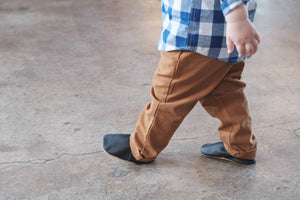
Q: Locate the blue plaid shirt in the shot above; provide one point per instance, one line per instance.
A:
(199, 26)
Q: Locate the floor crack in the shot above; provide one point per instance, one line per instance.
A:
(295, 131)
(276, 125)
(41, 161)
(192, 138)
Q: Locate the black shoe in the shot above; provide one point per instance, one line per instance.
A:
(217, 150)
(118, 145)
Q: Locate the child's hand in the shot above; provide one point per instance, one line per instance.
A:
(241, 33)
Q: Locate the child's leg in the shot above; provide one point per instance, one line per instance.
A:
(228, 103)
(180, 81)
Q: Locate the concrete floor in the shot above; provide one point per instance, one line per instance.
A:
(72, 71)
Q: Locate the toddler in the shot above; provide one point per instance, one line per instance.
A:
(203, 45)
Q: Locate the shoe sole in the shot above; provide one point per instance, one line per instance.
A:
(227, 159)
(128, 161)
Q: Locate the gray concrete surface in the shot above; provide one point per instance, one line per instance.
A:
(72, 71)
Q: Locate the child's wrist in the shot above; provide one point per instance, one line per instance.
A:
(240, 21)
(239, 14)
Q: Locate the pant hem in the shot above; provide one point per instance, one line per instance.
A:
(249, 155)
(136, 153)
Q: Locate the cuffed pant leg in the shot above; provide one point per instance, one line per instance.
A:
(228, 103)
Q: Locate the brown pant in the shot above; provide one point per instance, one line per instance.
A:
(181, 80)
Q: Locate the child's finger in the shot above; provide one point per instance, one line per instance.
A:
(255, 46)
(257, 38)
(249, 49)
(241, 49)
(230, 45)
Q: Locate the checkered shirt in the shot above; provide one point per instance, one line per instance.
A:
(199, 26)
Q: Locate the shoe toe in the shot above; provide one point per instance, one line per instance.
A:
(205, 149)
(117, 144)
(107, 142)
(214, 149)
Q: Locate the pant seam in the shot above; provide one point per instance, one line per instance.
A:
(165, 100)
(150, 127)
(174, 74)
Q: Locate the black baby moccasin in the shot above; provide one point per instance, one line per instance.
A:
(118, 146)
(217, 150)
